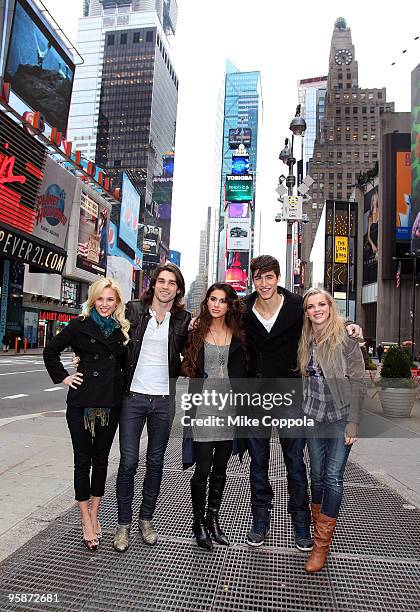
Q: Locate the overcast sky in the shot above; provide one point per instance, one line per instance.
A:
(286, 42)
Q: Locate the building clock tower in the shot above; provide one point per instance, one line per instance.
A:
(347, 141)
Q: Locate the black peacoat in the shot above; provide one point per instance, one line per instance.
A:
(102, 362)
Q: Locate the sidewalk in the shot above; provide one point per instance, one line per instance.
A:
(374, 562)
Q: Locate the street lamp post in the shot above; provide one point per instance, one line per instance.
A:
(297, 127)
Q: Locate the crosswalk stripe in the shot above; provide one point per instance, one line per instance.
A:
(54, 389)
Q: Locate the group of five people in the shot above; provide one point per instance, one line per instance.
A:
(129, 361)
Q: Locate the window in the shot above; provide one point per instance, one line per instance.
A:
(149, 36)
(117, 163)
(110, 40)
(355, 110)
(123, 39)
(136, 37)
(347, 111)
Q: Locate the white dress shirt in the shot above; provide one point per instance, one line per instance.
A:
(151, 375)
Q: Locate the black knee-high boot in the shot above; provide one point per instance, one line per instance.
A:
(216, 488)
(198, 498)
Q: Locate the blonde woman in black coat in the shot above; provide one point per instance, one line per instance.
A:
(98, 337)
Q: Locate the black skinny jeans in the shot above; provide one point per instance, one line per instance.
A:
(210, 455)
(90, 453)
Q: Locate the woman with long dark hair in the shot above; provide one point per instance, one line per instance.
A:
(333, 369)
(214, 358)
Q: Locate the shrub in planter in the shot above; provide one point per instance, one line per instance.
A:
(397, 389)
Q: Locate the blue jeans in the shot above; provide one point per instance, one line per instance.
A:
(137, 409)
(297, 482)
(328, 457)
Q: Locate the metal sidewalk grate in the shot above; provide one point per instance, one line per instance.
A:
(374, 563)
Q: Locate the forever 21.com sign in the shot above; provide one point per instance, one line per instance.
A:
(35, 252)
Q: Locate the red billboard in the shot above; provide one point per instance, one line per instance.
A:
(22, 160)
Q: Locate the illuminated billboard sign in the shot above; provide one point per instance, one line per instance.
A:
(415, 160)
(341, 249)
(238, 210)
(239, 136)
(129, 216)
(151, 241)
(403, 196)
(54, 202)
(239, 188)
(92, 240)
(237, 271)
(240, 164)
(22, 161)
(239, 235)
(38, 68)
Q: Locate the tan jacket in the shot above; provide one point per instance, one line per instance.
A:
(345, 375)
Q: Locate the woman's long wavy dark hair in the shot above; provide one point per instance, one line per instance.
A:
(233, 320)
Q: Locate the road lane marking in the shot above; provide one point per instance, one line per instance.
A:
(15, 396)
(26, 372)
(54, 389)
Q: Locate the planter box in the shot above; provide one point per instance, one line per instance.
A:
(397, 402)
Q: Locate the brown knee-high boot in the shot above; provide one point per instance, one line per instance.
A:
(324, 529)
(315, 510)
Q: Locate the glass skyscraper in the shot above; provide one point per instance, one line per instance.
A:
(243, 110)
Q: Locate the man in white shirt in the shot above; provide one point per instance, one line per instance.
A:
(159, 328)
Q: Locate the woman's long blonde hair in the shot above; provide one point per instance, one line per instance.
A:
(95, 290)
(331, 336)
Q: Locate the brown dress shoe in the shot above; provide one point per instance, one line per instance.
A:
(122, 538)
(324, 529)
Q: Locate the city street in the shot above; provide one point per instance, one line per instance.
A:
(26, 388)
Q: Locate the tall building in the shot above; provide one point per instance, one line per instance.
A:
(199, 285)
(243, 109)
(311, 97)
(348, 140)
(124, 106)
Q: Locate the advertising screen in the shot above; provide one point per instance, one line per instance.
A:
(403, 196)
(21, 171)
(238, 211)
(168, 165)
(240, 164)
(239, 136)
(151, 240)
(239, 188)
(39, 71)
(92, 241)
(239, 235)
(370, 236)
(129, 216)
(237, 271)
(54, 202)
(415, 160)
(175, 257)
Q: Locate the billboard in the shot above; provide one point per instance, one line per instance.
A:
(239, 235)
(151, 241)
(129, 215)
(237, 270)
(341, 249)
(239, 136)
(415, 160)
(240, 164)
(238, 210)
(38, 69)
(92, 237)
(175, 257)
(370, 236)
(54, 202)
(168, 165)
(239, 188)
(403, 196)
(22, 160)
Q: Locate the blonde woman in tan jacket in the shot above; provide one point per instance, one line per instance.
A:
(333, 369)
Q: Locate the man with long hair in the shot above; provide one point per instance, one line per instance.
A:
(159, 329)
(273, 324)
